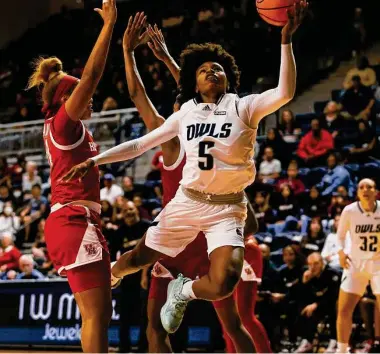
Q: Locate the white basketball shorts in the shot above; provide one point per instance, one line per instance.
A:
(361, 272)
(183, 218)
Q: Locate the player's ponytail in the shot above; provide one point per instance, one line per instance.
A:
(47, 73)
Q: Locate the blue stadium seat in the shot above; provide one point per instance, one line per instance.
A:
(281, 240)
(319, 106)
(304, 120)
(336, 94)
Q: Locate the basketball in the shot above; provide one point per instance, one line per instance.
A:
(274, 11)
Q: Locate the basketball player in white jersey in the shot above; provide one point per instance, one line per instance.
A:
(218, 132)
(361, 222)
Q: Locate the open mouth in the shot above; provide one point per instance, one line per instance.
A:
(212, 78)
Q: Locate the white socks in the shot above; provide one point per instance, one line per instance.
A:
(187, 291)
(342, 348)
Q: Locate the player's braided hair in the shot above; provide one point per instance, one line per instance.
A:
(194, 55)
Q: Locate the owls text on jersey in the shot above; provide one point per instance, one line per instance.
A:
(364, 230)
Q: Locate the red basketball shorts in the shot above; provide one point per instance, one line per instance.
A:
(78, 248)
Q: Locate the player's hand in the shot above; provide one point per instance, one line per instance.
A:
(115, 281)
(108, 12)
(344, 260)
(309, 309)
(79, 171)
(295, 18)
(135, 34)
(157, 43)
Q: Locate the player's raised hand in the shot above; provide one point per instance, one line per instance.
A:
(295, 17)
(344, 260)
(157, 43)
(135, 34)
(108, 12)
(79, 171)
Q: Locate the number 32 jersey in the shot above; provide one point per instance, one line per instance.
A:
(364, 230)
(219, 146)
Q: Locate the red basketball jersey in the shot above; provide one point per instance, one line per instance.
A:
(171, 176)
(68, 143)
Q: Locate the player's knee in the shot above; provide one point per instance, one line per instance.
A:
(234, 327)
(225, 285)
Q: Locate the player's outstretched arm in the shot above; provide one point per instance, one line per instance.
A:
(135, 35)
(343, 228)
(259, 106)
(160, 50)
(129, 149)
(93, 70)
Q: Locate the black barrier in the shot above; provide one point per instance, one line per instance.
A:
(45, 313)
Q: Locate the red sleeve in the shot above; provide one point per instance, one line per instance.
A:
(301, 151)
(65, 130)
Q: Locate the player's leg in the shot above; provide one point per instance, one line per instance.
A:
(246, 301)
(225, 269)
(158, 338)
(91, 287)
(235, 334)
(346, 306)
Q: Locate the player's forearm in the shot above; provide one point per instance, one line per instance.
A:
(94, 67)
(287, 80)
(137, 147)
(138, 93)
(173, 68)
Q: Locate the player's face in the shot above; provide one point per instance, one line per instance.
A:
(210, 76)
(367, 191)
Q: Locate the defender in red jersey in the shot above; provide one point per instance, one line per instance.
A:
(73, 230)
(193, 261)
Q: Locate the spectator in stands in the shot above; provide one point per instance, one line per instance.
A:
(106, 213)
(288, 128)
(39, 250)
(128, 187)
(270, 168)
(287, 210)
(321, 288)
(263, 212)
(289, 291)
(126, 238)
(30, 177)
(358, 100)
(315, 238)
(26, 266)
(9, 221)
(118, 210)
(315, 145)
(314, 205)
(17, 172)
(9, 254)
(22, 114)
(364, 71)
(275, 141)
(143, 212)
(121, 95)
(331, 246)
(109, 104)
(331, 120)
(338, 202)
(5, 173)
(365, 144)
(36, 208)
(292, 180)
(336, 176)
(6, 197)
(111, 190)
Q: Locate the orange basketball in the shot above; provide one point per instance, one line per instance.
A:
(274, 11)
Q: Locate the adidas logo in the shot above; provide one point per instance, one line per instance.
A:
(206, 108)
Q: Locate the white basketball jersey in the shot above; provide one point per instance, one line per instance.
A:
(219, 147)
(364, 231)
